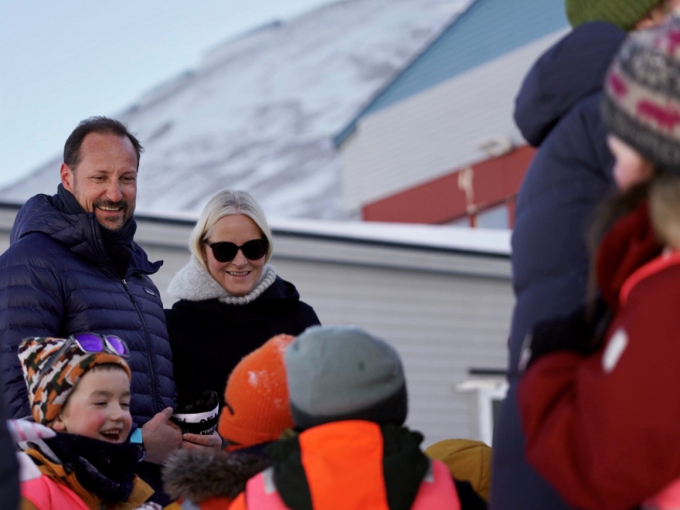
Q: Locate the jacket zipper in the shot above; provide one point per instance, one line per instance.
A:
(102, 253)
(148, 346)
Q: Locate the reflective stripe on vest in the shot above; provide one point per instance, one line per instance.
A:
(44, 492)
(436, 491)
(667, 499)
(261, 492)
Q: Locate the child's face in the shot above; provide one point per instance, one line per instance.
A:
(630, 167)
(98, 407)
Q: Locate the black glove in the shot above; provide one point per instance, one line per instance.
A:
(580, 332)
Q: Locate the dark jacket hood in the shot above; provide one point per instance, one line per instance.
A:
(571, 70)
(79, 233)
(198, 476)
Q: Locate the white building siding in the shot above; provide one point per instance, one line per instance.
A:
(436, 131)
(442, 325)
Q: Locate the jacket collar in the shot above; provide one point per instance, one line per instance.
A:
(194, 283)
(363, 454)
(69, 472)
(79, 233)
(628, 245)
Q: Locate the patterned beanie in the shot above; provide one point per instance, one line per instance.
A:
(49, 389)
(641, 103)
(343, 373)
(622, 13)
(256, 396)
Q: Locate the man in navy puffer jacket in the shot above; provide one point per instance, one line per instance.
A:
(72, 267)
(557, 111)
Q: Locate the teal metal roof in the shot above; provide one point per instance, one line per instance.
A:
(486, 30)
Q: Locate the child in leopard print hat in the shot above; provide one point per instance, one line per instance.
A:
(80, 388)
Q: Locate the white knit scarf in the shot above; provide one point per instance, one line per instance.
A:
(194, 283)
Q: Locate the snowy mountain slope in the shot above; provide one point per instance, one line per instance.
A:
(259, 111)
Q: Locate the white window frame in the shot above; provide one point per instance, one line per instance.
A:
(488, 390)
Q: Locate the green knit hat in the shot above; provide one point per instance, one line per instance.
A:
(622, 13)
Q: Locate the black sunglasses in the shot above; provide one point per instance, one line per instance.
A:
(252, 250)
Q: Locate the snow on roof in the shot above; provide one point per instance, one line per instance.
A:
(496, 242)
(442, 237)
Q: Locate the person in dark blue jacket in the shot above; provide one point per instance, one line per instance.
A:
(557, 110)
(73, 266)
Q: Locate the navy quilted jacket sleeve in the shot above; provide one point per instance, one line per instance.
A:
(31, 304)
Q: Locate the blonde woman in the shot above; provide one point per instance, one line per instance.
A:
(231, 300)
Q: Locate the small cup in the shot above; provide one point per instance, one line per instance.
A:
(197, 412)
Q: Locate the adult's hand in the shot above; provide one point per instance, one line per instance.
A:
(160, 437)
(202, 442)
(582, 332)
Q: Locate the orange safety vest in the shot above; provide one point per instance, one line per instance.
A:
(360, 469)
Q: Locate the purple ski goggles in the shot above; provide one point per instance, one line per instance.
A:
(92, 343)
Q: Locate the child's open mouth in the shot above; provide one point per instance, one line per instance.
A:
(112, 435)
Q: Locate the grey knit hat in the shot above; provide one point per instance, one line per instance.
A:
(622, 13)
(641, 103)
(344, 373)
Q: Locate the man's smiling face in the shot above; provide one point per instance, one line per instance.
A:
(105, 179)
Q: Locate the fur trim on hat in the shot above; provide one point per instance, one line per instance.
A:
(198, 476)
(194, 283)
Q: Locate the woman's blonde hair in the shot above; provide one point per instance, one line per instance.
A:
(227, 203)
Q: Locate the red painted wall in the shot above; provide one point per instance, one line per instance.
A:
(494, 181)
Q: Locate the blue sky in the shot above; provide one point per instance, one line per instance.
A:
(65, 60)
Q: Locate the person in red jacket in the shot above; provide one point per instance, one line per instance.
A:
(599, 399)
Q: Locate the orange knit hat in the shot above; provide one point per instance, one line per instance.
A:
(256, 396)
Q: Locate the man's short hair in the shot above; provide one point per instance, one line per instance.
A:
(101, 125)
